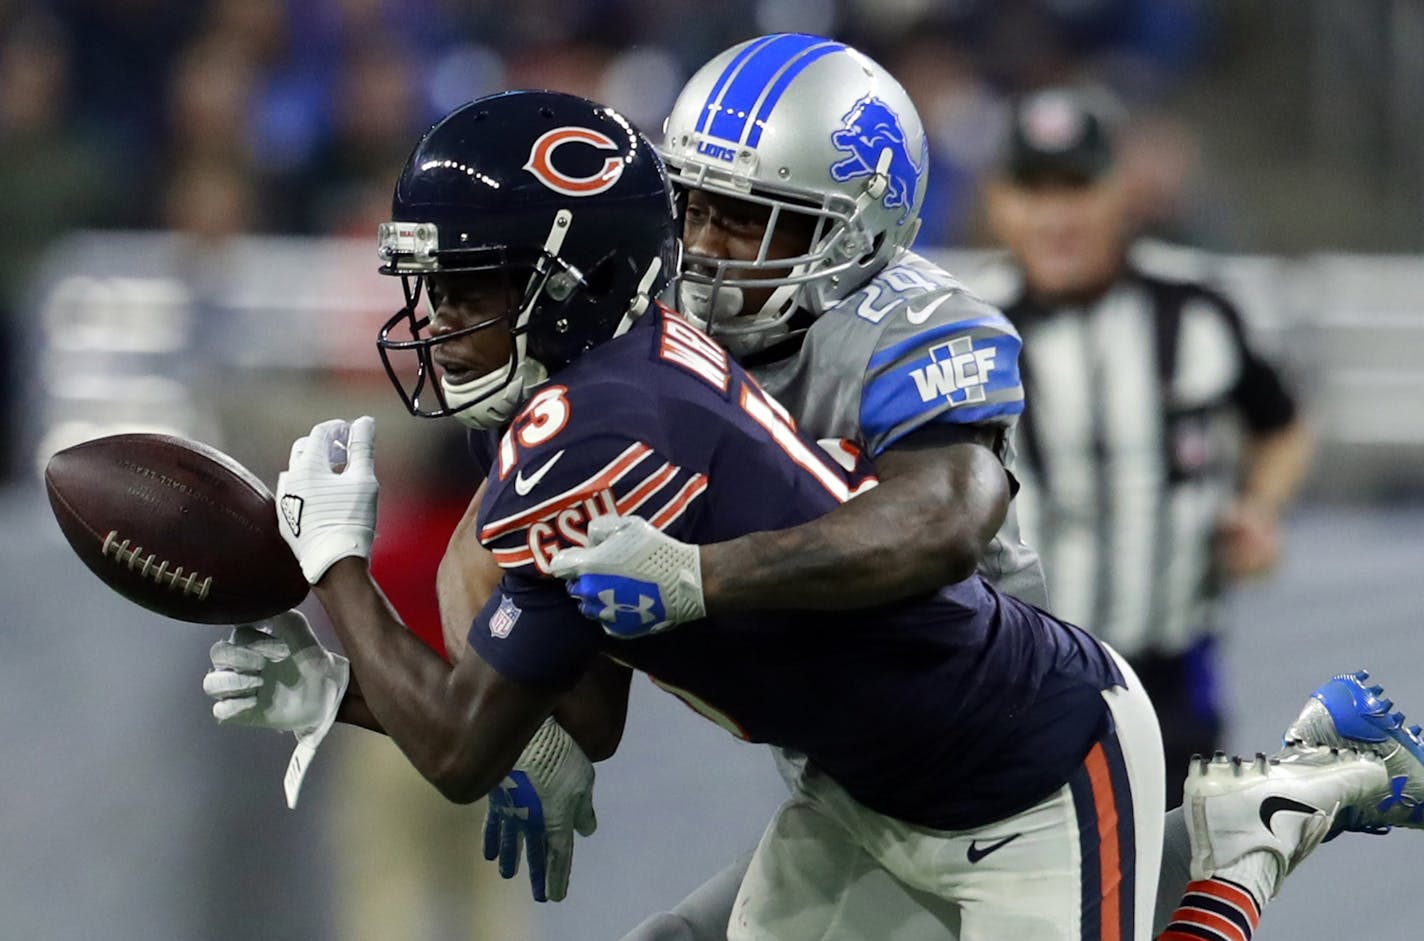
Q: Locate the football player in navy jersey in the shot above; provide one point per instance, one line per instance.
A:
(597, 406)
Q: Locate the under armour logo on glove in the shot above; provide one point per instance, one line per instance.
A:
(626, 606)
(543, 802)
(516, 816)
(632, 578)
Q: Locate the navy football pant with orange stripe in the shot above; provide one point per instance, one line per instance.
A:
(1081, 865)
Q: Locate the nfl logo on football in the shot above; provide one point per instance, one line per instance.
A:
(502, 621)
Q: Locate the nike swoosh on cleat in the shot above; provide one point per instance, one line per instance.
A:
(1274, 805)
(974, 853)
(522, 484)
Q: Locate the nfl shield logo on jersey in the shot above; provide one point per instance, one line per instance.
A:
(502, 621)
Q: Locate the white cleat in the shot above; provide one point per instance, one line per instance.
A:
(1284, 805)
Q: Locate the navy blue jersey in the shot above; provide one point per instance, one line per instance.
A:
(949, 712)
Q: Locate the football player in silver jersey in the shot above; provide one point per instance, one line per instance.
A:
(803, 167)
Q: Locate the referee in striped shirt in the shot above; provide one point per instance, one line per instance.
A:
(1157, 448)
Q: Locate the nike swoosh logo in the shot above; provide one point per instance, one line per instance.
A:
(522, 484)
(917, 317)
(1274, 805)
(974, 853)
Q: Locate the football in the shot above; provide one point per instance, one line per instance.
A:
(175, 526)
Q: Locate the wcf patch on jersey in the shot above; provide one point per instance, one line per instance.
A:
(502, 621)
(958, 371)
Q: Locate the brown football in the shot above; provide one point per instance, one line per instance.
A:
(176, 526)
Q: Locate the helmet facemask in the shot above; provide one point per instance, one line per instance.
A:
(546, 285)
(804, 124)
(566, 203)
(841, 254)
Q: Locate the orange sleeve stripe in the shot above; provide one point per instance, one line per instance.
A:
(513, 558)
(601, 480)
(675, 507)
(1232, 895)
(644, 491)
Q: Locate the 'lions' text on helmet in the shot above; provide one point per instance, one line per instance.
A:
(564, 198)
(805, 125)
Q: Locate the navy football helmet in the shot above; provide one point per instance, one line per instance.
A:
(562, 196)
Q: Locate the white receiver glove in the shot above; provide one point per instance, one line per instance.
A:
(275, 674)
(326, 498)
(632, 577)
(540, 804)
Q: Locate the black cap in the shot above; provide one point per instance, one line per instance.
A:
(1059, 134)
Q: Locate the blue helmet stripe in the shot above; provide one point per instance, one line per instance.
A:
(773, 94)
(714, 98)
(738, 101)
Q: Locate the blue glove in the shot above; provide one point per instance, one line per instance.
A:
(539, 806)
(515, 817)
(633, 578)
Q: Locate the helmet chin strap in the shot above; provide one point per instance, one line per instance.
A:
(766, 326)
(720, 314)
(702, 305)
(641, 300)
(496, 395)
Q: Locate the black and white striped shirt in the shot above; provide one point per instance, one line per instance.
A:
(1130, 446)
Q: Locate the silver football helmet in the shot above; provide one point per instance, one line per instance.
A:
(805, 125)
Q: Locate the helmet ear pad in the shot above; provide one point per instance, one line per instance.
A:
(603, 278)
(550, 339)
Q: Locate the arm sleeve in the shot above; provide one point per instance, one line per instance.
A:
(531, 630)
(1260, 393)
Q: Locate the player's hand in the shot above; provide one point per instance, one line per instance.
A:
(1247, 540)
(633, 578)
(275, 674)
(540, 804)
(326, 498)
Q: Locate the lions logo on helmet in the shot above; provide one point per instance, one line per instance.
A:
(867, 131)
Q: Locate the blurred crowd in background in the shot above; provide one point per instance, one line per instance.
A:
(225, 116)
(1260, 126)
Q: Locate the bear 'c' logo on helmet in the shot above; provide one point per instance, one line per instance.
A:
(866, 130)
(540, 162)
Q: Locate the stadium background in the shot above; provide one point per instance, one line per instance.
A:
(188, 190)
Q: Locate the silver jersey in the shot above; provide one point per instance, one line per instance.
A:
(911, 348)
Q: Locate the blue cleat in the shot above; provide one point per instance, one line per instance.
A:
(1347, 712)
